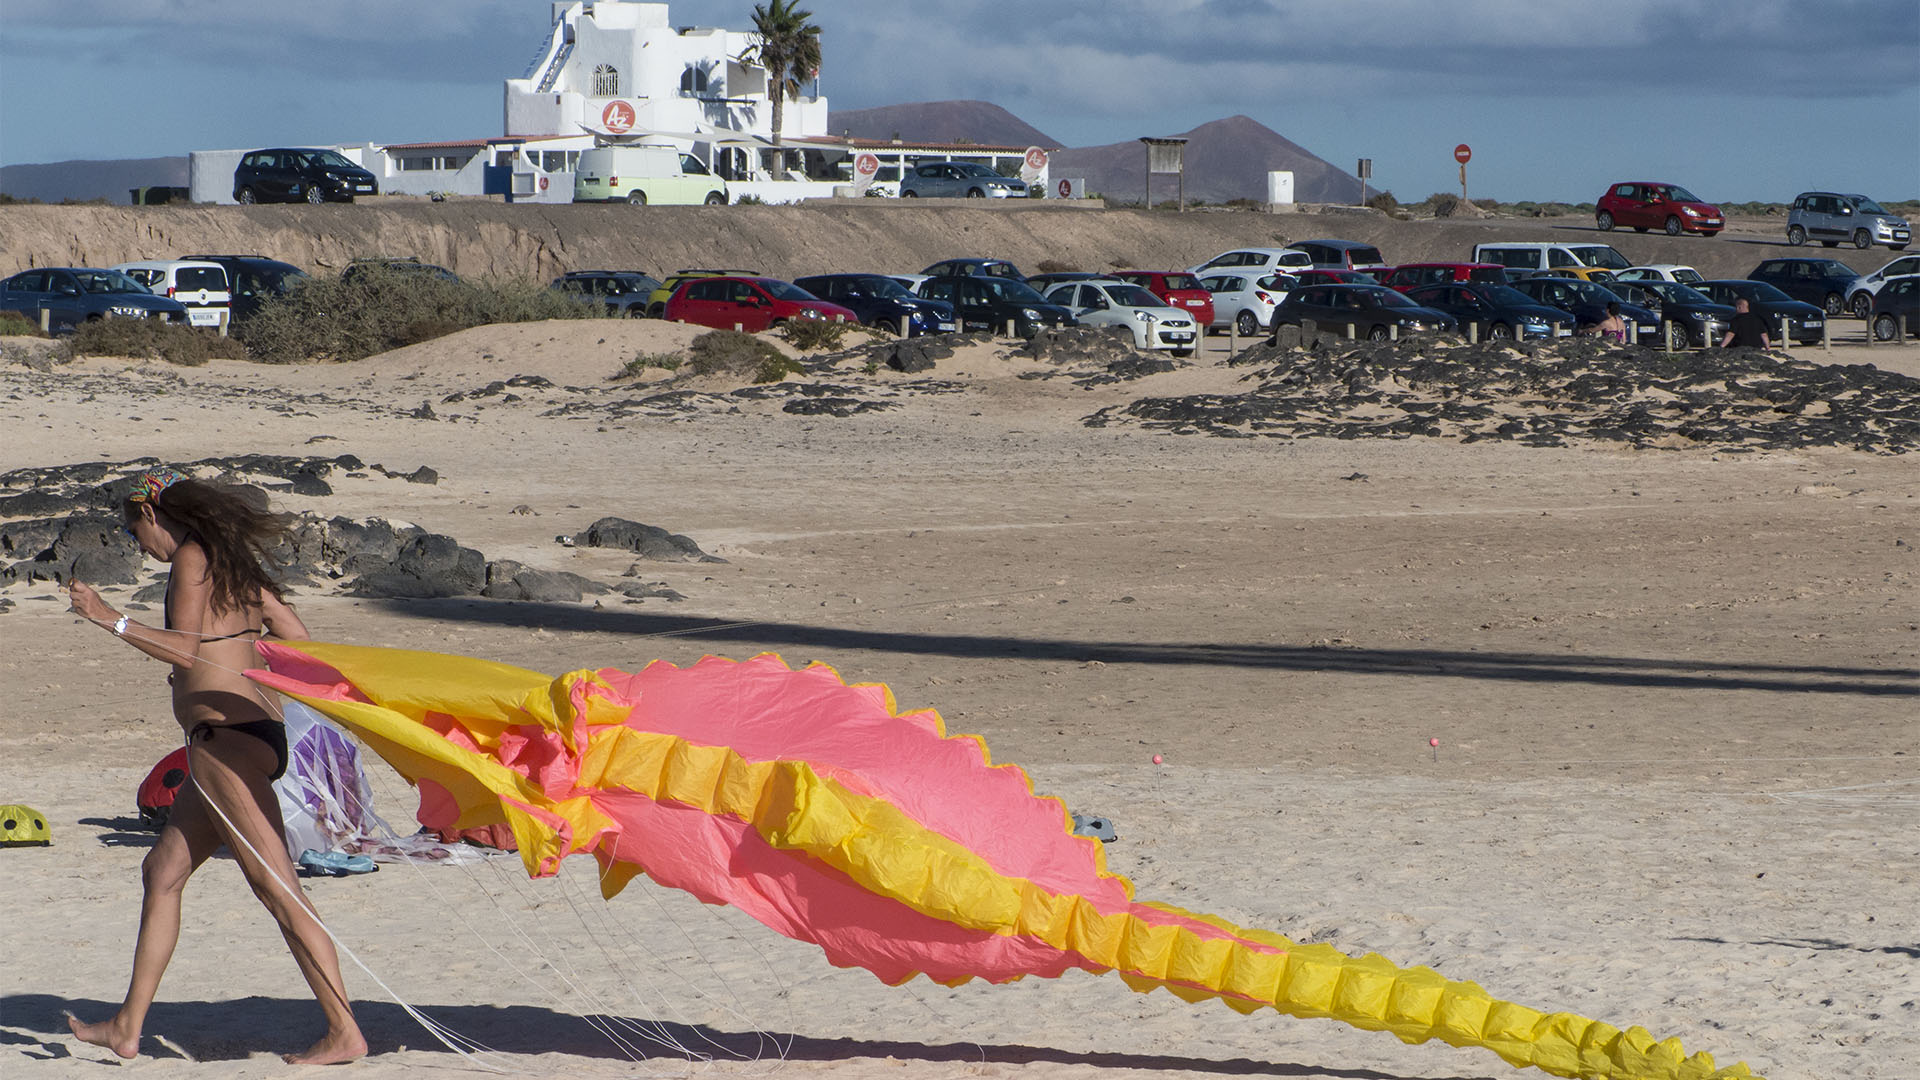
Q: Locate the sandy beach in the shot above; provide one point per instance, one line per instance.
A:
(1677, 780)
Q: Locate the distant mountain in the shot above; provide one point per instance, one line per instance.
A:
(82, 181)
(1226, 159)
(940, 122)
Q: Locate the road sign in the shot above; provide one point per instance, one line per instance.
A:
(617, 117)
(1365, 171)
(1463, 153)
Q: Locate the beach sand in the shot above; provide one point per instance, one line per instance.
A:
(1677, 781)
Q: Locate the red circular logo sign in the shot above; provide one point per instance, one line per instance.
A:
(1036, 158)
(1463, 153)
(617, 117)
(866, 166)
(1066, 189)
(543, 183)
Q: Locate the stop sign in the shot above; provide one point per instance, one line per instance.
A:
(1463, 153)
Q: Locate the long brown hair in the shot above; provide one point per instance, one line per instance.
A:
(239, 537)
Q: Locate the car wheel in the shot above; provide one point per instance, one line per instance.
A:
(657, 311)
(1378, 333)
(1796, 235)
(246, 197)
(976, 193)
(1835, 305)
(714, 198)
(1862, 239)
(315, 195)
(896, 327)
(635, 311)
(1247, 324)
(1885, 327)
(1605, 221)
(1673, 225)
(1500, 332)
(909, 194)
(1862, 306)
(636, 198)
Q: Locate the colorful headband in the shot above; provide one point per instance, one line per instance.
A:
(149, 486)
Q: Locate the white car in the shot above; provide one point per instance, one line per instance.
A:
(1245, 301)
(1674, 272)
(1254, 261)
(1867, 286)
(1106, 302)
(201, 287)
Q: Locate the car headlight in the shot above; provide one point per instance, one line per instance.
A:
(1147, 317)
(809, 313)
(1689, 211)
(1029, 313)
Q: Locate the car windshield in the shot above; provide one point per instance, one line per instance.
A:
(1133, 296)
(1600, 255)
(1687, 276)
(1181, 281)
(781, 290)
(1504, 294)
(974, 168)
(1675, 293)
(1364, 255)
(1013, 291)
(1759, 290)
(326, 159)
(1830, 268)
(1588, 292)
(1868, 206)
(1277, 281)
(1384, 298)
(107, 282)
(1680, 194)
(883, 288)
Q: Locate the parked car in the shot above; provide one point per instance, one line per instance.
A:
(1860, 294)
(1806, 324)
(751, 303)
(408, 265)
(252, 280)
(1685, 275)
(959, 179)
(299, 174)
(200, 286)
(1409, 276)
(1831, 217)
(1342, 255)
(1314, 276)
(639, 175)
(878, 300)
(1043, 282)
(71, 295)
(1898, 299)
(1254, 261)
(1687, 310)
(1107, 302)
(1824, 282)
(994, 268)
(1594, 262)
(1643, 204)
(991, 303)
(1374, 311)
(1245, 300)
(657, 300)
(1587, 301)
(621, 292)
(1178, 289)
(1500, 311)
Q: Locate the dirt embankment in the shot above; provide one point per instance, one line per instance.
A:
(479, 238)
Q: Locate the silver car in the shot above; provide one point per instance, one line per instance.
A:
(1830, 218)
(959, 179)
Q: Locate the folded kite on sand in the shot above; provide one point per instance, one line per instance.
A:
(814, 807)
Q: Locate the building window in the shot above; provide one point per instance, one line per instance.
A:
(606, 81)
(693, 80)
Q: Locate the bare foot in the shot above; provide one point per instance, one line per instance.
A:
(334, 1048)
(106, 1034)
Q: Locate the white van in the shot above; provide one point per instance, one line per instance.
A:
(1595, 262)
(201, 287)
(640, 175)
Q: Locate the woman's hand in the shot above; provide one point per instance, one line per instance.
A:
(86, 602)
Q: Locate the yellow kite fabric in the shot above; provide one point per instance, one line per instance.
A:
(818, 809)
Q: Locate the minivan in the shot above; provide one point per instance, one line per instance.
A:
(300, 174)
(201, 287)
(640, 175)
(1830, 217)
(1593, 262)
(1343, 255)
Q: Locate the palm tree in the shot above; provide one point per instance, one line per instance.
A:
(789, 50)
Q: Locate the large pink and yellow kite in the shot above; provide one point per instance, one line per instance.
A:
(816, 808)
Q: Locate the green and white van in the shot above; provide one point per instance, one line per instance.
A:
(642, 175)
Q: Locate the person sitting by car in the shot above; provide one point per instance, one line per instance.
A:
(1747, 328)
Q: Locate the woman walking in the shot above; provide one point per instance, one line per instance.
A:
(219, 602)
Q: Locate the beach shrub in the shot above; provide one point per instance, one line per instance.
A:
(1055, 266)
(811, 334)
(729, 352)
(643, 362)
(774, 369)
(381, 308)
(151, 339)
(14, 324)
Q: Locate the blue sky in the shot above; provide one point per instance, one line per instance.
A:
(1736, 100)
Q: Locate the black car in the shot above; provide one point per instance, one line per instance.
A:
(1898, 299)
(1806, 324)
(1687, 310)
(71, 295)
(994, 268)
(1373, 310)
(1501, 311)
(255, 279)
(1822, 282)
(1588, 301)
(881, 301)
(299, 174)
(991, 303)
(621, 292)
(408, 265)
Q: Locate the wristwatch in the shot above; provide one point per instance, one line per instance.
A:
(120, 626)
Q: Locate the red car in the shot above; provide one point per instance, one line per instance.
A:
(1641, 205)
(1178, 288)
(751, 303)
(1413, 275)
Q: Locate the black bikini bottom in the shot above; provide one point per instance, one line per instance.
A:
(271, 732)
